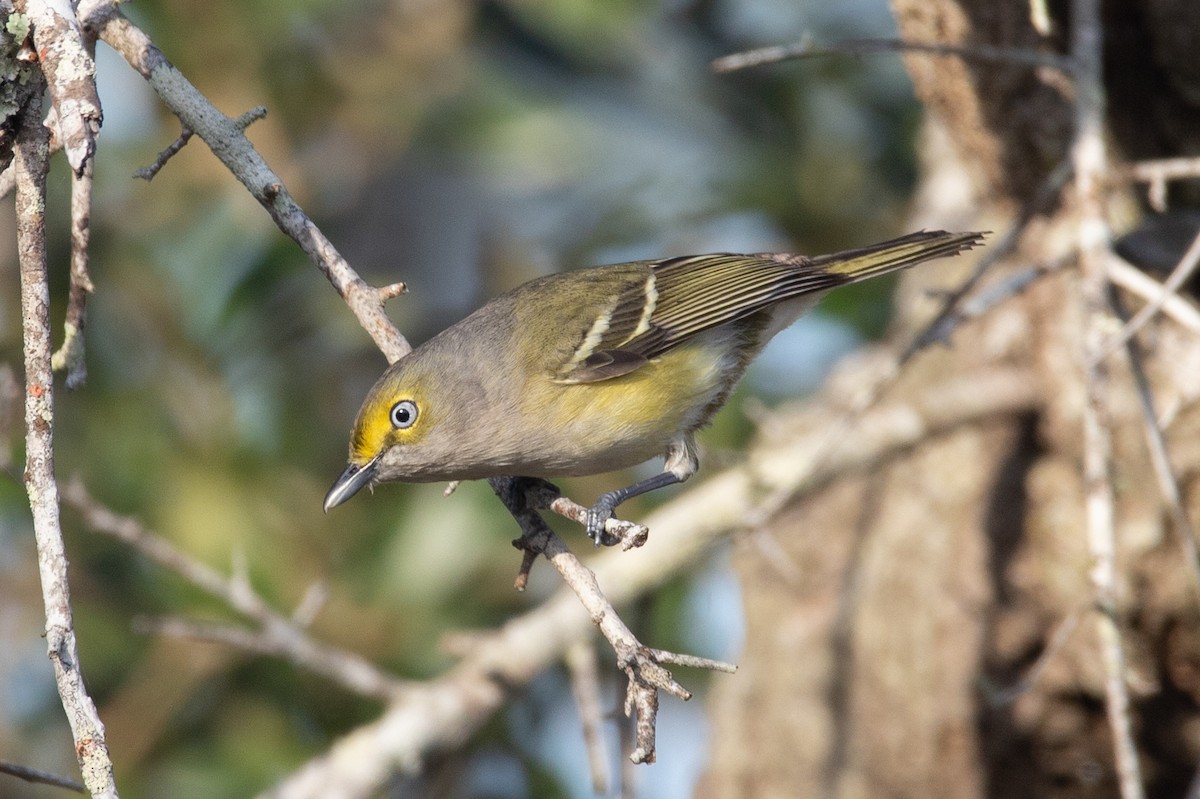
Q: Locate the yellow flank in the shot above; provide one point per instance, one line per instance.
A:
(636, 414)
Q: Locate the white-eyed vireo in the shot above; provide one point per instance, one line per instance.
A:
(598, 369)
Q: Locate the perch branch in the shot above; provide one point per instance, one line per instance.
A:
(523, 497)
(32, 161)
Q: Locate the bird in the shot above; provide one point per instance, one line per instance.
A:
(597, 369)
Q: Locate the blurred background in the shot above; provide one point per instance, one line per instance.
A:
(463, 148)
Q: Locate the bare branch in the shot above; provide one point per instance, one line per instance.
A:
(522, 497)
(1168, 484)
(1158, 173)
(71, 355)
(31, 160)
(227, 139)
(805, 48)
(1062, 633)
(148, 172)
(70, 69)
(277, 634)
(1091, 168)
(1179, 275)
(1134, 280)
(41, 777)
(585, 686)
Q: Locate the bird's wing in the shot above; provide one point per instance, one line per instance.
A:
(678, 298)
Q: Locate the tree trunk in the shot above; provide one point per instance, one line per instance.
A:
(889, 614)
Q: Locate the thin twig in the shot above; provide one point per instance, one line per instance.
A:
(1179, 275)
(70, 355)
(1168, 484)
(1062, 633)
(32, 162)
(227, 139)
(1091, 167)
(278, 634)
(523, 497)
(148, 172)
(858, 47)
(948, 317)
(585, 686)
(1158, 173)
(41, 777)
(1132, 279)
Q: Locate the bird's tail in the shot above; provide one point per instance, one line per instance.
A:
(878, 259)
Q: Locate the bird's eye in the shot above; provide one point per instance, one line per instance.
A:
(403, 414)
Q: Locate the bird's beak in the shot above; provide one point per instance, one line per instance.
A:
(349, 482)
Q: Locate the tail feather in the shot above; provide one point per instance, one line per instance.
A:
(888, 256)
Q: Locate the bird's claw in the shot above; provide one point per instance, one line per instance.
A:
(597, 517)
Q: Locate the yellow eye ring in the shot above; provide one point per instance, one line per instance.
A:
(403, 414)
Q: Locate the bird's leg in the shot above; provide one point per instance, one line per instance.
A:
(681, 463)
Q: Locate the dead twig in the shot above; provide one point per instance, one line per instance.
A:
(1157, 173)
(999, 697)
(41, 777)
(148, 172)
(585, 686)
(1179, 275)
(1091, 169)
(642, 665)
(1135, 281)
(70, 355)
(276, 634)
(805, 48)
(1168, 483)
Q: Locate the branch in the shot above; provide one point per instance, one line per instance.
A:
(1091, 170)
(857, 47)
(1158, 173)
(523, 497)
(1156, 443)
(276, 633)
(1134, 280)
(227, 139)
(1179, 275)
(71, 355)
(31, 160)
(585, 687)
(444, 711)
(41, 777)
(70, 70)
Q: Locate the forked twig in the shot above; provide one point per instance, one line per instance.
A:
(642, 665)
